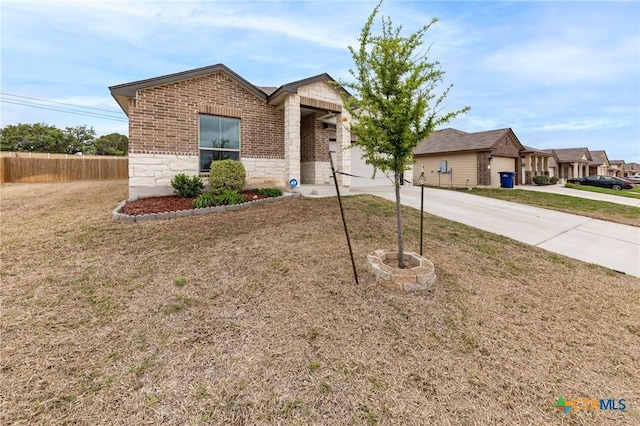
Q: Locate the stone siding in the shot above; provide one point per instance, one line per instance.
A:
(150, 174)
(263, 172)
(321, 91)
(315, 173)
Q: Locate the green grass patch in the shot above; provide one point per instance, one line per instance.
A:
(629, 193)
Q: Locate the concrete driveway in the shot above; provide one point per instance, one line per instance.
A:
(595, 241)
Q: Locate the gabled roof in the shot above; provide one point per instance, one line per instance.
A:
(632, 167)
(267, 89)
(572, 155)
(621, 162)
(453, 140)
(537, 151)
(122, 92)
(599, 157)
(294, 86)
(128, 90)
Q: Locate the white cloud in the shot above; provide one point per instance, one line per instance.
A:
(594, 124)
(553, 71)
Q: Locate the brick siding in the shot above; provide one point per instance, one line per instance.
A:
(314, 139)
(164, 119)
(484, 173)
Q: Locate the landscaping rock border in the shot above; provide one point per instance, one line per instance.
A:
(419, 275)
(116, 215)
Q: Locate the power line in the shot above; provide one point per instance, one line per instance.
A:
(62, 103)
(52, 108)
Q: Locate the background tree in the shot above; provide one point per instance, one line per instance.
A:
(79, 138)
(111, 144)
(37, 137)
(41, 137)
(394, 104)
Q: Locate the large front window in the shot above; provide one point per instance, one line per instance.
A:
(219, 140)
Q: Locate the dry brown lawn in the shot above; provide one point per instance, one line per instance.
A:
(252, 317)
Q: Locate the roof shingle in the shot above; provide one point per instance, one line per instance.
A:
(453, 140)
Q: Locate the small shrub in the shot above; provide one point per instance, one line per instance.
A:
(206, 199)
(230, 197)
(570, 185)
(185, 186)
(268, 192)
(553, 180)
(226, 175)
(541, 180)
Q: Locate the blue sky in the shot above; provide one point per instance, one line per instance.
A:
(560, 74)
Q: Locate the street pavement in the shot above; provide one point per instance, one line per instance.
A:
(595, 241)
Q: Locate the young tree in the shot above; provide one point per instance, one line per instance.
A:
(394, 104)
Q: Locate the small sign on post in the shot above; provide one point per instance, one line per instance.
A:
(293, 184)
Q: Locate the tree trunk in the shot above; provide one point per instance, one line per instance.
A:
(398, 176)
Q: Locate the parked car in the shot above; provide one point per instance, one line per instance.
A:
(634, 179)
(612, 182)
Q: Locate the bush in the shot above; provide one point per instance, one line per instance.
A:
(206, 200)
(187, 187)
(570, 185)
(226, 175)
(541, 180)
(268, 192)
(230, 197)
(553, 180)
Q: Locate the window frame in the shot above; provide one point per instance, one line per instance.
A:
(213, 149)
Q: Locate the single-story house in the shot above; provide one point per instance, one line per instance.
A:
(572, 162)
(536, 162)
(631, 169)
(600, 164)
(616, 168)
(180, 123)
(451, 157)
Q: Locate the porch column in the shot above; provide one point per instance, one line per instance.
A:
(576, 170)
(527, 169)
(343, 140)
(291, 138)
(545, 166)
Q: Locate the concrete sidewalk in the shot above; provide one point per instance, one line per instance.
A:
(595, 241)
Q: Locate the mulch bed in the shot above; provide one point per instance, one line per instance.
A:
(170, 203)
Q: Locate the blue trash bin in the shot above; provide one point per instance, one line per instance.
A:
(507, 179)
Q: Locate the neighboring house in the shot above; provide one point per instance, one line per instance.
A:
(536, 162)
(616, 168)
(180, 123)
(631, 169)
(600, 164)
(452, 157)
(572, 162)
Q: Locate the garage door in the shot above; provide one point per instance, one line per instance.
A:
(360, 168)
(501, 164)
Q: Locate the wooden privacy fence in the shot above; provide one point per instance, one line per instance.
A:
(39, 167)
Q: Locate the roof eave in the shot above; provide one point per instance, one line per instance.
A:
(129, 90)
(293, 87)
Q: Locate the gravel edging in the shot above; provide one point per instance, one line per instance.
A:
(116, 215)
